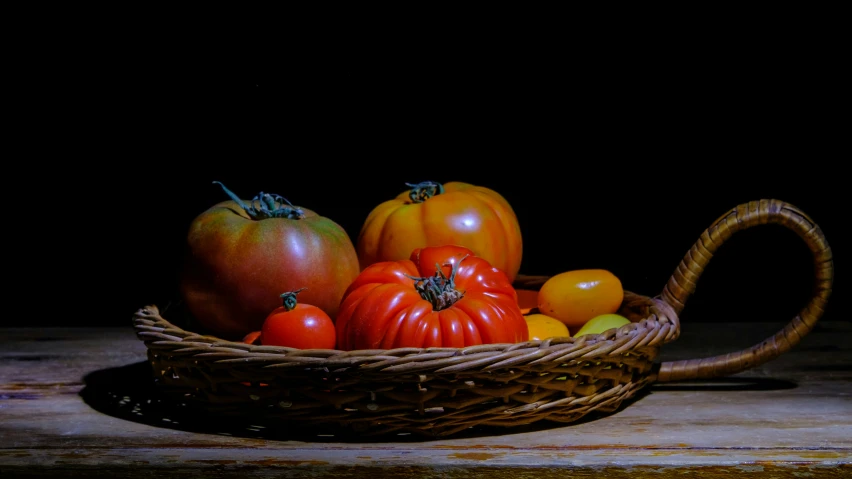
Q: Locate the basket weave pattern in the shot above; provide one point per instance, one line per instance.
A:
(441, 391)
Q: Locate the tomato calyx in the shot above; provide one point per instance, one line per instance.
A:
(440, 289)
(266, 205)
(289, 299)
(422, 191)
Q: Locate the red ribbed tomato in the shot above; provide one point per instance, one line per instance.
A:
(435, 214)
(442, 296)
(243, 254)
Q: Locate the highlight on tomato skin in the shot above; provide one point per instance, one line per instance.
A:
(441, 296)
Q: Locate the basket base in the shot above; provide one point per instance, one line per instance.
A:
(428, 407)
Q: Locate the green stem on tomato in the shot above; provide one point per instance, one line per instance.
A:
(440, 290)
(422, 191)
(268, 206)
(289, 299)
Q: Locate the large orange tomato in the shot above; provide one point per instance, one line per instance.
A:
(441, 296)
(432, 214)
(243, 254)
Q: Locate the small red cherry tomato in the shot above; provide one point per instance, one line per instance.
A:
(296, 325)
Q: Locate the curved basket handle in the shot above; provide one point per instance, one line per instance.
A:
(682, 284)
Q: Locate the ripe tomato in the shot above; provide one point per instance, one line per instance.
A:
(527, 299)
(252, 338)
(440, 296)
(432, 214)
(297, 325)
(601, 323)
(541, 326)
(577, 296)
(242, 254)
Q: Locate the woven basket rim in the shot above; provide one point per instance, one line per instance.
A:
(151, 325)
(435, 391)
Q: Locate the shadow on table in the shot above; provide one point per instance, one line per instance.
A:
(726, 384)
(129, 393)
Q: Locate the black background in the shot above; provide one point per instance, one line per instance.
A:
(613, 156)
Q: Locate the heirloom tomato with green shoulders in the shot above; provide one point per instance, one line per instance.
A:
(242, 254)
(435, 214)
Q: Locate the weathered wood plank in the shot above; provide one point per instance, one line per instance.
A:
(79, 400)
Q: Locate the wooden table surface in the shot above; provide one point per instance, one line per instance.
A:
(80, 402)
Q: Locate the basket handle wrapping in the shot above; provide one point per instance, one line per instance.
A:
(682, 284)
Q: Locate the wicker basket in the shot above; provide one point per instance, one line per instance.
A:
(442, 391)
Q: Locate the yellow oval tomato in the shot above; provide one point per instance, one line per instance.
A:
(577, 296)
(432, 214)
(541, 326)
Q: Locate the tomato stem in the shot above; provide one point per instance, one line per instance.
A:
(421, 192)
(289, 299)
(440, 290)
(268, 206)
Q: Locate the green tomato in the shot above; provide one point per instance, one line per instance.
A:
(601, 323)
